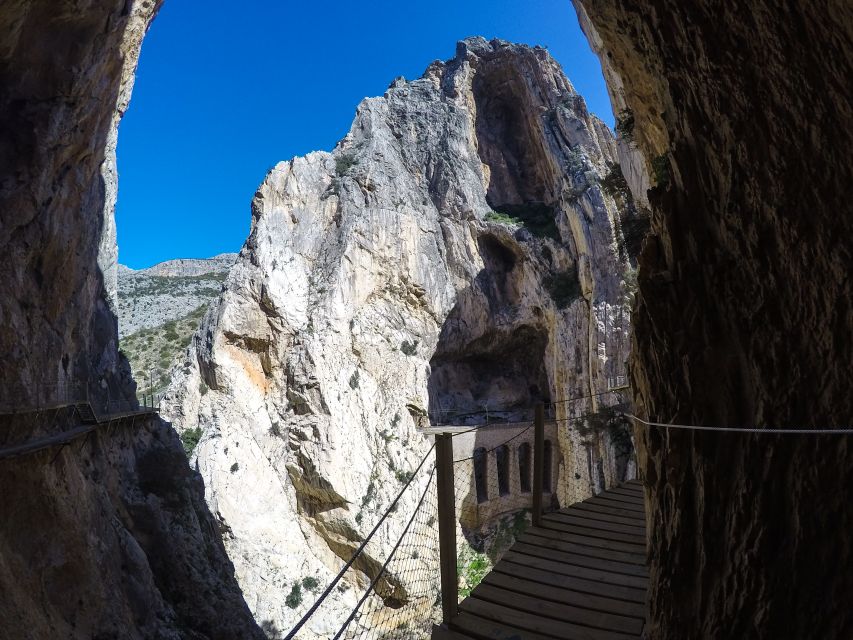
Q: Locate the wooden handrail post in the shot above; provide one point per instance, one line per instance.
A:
(538, 462)
(446, 525)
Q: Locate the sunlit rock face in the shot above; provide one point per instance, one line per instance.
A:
(742, 119)
(112, 539)
(380, 289)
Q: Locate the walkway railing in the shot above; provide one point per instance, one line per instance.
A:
(487, 499)
(22, 399)
(389, 586)
(59, 414)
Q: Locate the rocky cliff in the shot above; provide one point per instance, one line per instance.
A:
(741, 115)
(110, 537)
(461, 247)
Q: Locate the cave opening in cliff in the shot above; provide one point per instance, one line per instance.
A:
(497, 376)
(521, 182)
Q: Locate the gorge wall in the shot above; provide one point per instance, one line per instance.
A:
(741, 114)
(112, 537)
(461, 247)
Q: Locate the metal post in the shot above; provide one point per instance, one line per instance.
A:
(446, 525)
(538, 462)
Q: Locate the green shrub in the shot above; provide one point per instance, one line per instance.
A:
(409, 348)
(614, 183)
(344, 163)
(634, 230)
(310, 583)
(564, 287)
(536, 217)
(190, 438)
(471, 567)
(234, 467)
(403, 476)
(507, 532)
(368, 494)
(353, 380)
(271, 631)
(294, 598)
(660, 167)
(202, 387)
(609, 421)
(625, 124)
(503, 218)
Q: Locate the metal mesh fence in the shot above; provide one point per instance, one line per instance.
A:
(597, 446)
(389, 588)
(102, 400)
(404, 601)
(493, 486)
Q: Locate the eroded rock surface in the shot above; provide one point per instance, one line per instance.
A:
(112, 539)
(458, 248)
(741, 115)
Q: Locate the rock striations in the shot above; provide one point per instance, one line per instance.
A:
(741, 114)
(110, 537)
(461, 247)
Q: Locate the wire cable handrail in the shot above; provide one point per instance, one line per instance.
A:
(322, 597)
(517, 408)
(385, 564)
(767, 430)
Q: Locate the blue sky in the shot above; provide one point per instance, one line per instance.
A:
(225, 90)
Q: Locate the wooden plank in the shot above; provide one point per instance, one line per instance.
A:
(484, 628)
(618, 502)
(586, 514)
(528, 621)
(607, 509)
(549, 571)
(606, 561)
(438, 633)
(562, 612)
(514, 582)
(586, 551)
(615, 496)
(604, 524)
(628, 493)
(638, 511)
(588, 568)
(632, 485)
(605, 534)
(599, 543)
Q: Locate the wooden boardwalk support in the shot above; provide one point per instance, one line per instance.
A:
(580, 574)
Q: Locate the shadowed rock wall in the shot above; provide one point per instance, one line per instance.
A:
(741, 113)
(112, 539)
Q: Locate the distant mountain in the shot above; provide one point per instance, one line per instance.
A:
(160, 307)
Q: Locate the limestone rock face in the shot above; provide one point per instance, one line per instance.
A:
(742, 118)
(457, 249)
(111, 539)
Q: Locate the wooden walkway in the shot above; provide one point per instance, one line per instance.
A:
(580, 576)
(90, 421)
